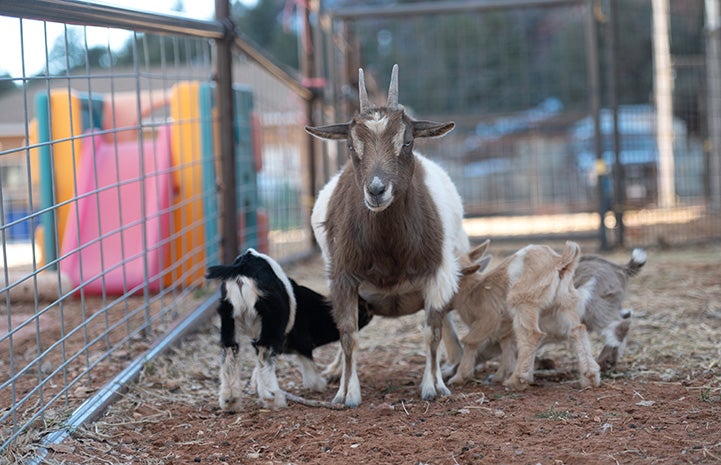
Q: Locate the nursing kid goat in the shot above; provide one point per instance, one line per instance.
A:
(389, 225)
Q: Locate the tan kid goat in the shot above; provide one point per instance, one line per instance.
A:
(390, 228)
(527, 295)
(606, 282)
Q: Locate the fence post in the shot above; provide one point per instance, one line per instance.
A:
(713, 83)
(595, 104)
(619, 182)
(663, 99)
(224, 99)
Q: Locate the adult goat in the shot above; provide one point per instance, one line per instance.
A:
(389, 225)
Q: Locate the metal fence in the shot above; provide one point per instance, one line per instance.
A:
(113, 195)
(572, 119)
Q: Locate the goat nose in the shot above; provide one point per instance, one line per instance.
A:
(376, 187)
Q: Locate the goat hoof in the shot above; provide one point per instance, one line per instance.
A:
(591, 379)
(433, 392)
(516, 383)
(448, 370)
(277, 401)
(229, 404)
(317, 385)
(332, 377)
(444, 391)
(350, 403)
(347, 400)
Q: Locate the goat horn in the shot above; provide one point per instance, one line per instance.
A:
(393, 89)
(362, 92)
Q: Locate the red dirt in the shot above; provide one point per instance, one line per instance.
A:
(554, 422)
(661, 406)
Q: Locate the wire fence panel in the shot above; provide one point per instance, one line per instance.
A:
(283, 186)
(517, 80)
(99, 244)
(109, 181)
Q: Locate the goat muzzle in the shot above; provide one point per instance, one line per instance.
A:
(378, 195)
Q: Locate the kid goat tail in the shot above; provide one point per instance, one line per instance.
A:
(638, 259)
(569, 259)
(220, 272)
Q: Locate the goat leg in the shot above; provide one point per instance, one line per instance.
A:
(266, 379)
(349, 389)
(508, 359)
(312, 379)
(587, 366)
(454, 350)
(345, 313)
(333, 371)
(432, 383)
(230, 388)
(528, 338)
(479, 332)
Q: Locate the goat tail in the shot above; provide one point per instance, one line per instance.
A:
(638, 259)
(569, 259)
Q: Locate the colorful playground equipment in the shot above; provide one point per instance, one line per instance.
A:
(122, 211)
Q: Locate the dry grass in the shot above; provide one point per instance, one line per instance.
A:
(675, 338)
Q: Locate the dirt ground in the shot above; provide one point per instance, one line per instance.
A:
(662, 404)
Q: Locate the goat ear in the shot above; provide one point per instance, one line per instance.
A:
(483, 262)
(479, 251)
(470, 269)
(431, 129)
(331, 132)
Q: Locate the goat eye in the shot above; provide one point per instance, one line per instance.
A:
(407, 144)
(350, 148)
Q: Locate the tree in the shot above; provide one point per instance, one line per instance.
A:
(270, 26)
(6, 83)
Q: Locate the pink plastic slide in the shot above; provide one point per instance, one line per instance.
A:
(104, 236)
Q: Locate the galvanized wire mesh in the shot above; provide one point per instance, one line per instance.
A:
(516, 79)
(109, 202)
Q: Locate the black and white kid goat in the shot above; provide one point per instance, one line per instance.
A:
(258, 300)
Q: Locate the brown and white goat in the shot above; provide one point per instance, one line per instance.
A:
(528, 295)
(389, 225)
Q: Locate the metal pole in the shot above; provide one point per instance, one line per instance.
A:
(663, 92)
(595, 104)
(226, 117)
(713, 86)
(619, 194)
(93, 14)
(405, 10)
(308, 71)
